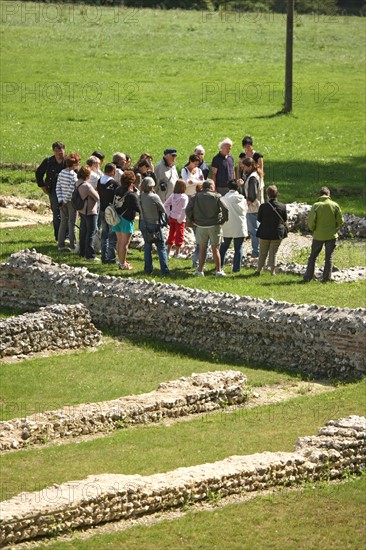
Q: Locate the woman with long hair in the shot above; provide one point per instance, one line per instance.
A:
(127, 212)
(254, 194)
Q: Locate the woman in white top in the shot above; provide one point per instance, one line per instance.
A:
(236, 226)
(192, 175)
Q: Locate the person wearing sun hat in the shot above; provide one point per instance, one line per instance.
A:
(166, 174)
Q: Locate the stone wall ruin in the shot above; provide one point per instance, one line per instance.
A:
(56, 327)
(194, 394)
(316, 340)
(339, 447)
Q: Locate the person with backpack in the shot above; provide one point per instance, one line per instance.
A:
(64, 189)
(46, 176)
(106, 189)
(151, 208)
(88, 214)
(207, 212)
(254, 194)
(127, 207)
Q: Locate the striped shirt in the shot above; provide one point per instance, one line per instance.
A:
(65, 185)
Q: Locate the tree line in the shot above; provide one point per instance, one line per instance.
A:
(321, 7)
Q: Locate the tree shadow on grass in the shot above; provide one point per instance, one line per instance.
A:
(279, 113)
(301, 180)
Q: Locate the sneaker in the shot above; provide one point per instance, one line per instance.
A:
(199, 273)
(64, 249)
(126, 266)
(220, 274)
(93, 259)
(171, 254)
(180, 257)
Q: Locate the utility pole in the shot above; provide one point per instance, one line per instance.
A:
(289, 55)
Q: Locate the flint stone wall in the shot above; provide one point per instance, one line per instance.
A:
(298, 214)
(56, 327)
(338, 447)
(317, 340)
(194, 394)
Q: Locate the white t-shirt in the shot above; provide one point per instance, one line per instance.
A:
(192, 180)
(94, 178)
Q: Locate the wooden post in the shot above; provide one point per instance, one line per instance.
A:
(289, 55)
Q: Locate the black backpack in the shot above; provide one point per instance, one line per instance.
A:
(76, 200)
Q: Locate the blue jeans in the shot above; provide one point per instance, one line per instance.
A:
(253, 225)
(88, 228)
(238, 251)
(162, 252)
(56, 217)
(108, 240)
(316, 247)
(197, 251)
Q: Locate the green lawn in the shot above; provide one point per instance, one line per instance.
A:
(128, 368)
(137, 80)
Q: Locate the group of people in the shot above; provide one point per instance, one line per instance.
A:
(228, 206)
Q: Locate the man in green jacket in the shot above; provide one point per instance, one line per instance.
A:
(325, 219)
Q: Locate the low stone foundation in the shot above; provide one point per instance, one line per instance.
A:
(339, 447)
(57, 327)
(188, 395)
(317, 340)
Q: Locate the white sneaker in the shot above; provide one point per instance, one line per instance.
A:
(180, 257)
(93, 259)
(199, 273)
(220, 274)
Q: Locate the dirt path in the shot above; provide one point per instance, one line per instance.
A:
(19, 212)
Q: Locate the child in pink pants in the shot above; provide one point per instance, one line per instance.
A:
(175, 207)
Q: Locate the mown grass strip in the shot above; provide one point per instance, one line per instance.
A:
(115, 369)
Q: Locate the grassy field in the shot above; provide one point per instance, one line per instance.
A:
(135, 80)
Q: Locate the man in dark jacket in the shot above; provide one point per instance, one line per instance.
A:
(206, 211)
(46, 176)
